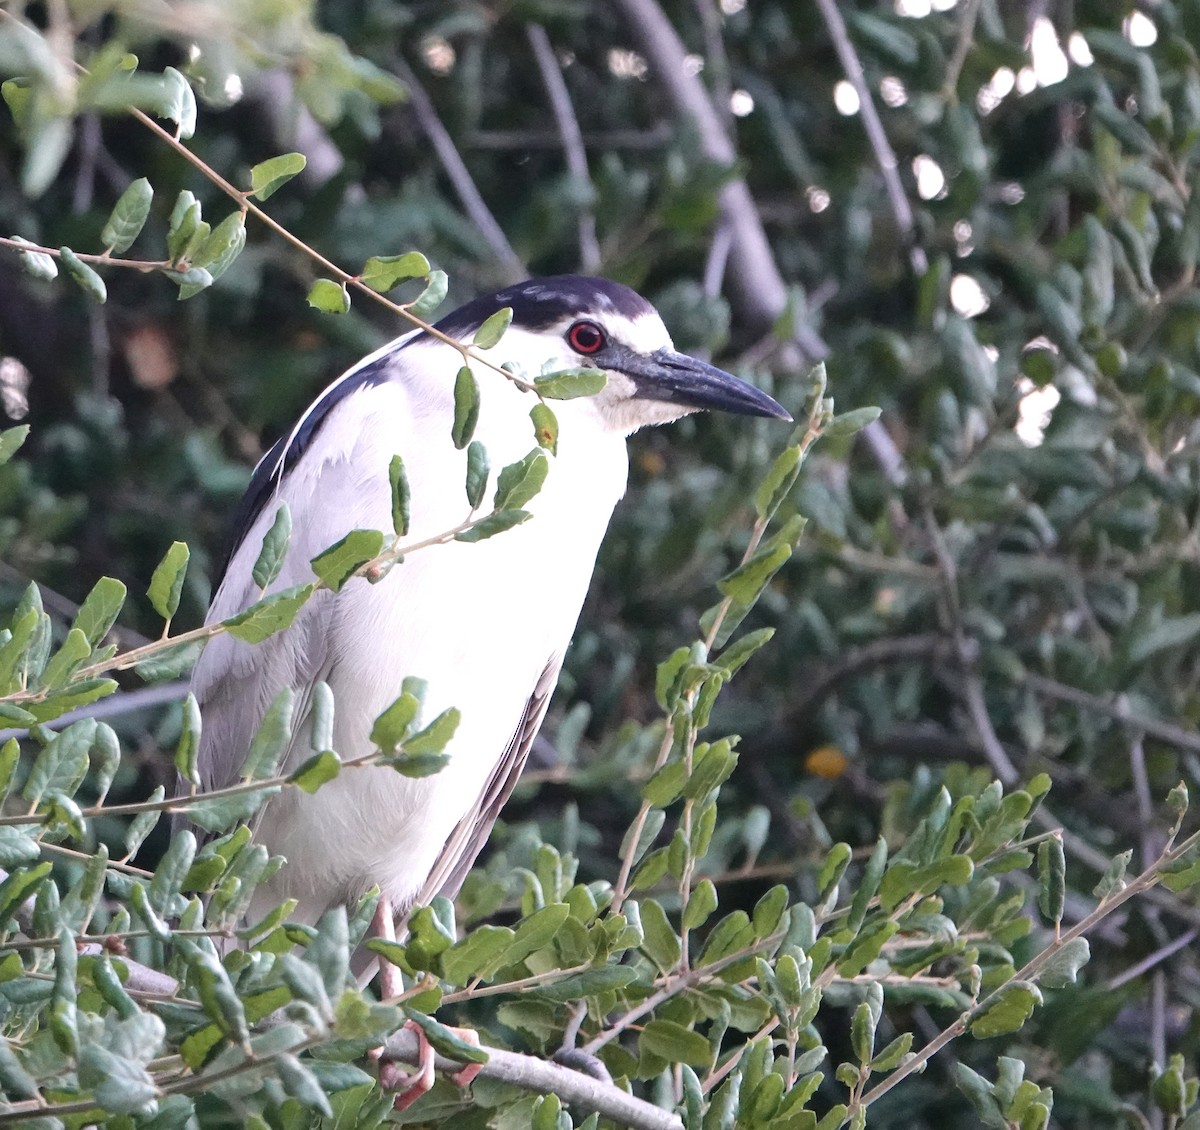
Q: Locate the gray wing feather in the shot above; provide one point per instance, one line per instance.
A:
(471, 832)
(235, 682)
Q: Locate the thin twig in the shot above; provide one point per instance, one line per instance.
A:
(572, 141)
(456, 169)
(968, 14)
(1151, 960)
(967, 653)
(1163, 731)
(757, 288)
(885, 156)
(656, 137)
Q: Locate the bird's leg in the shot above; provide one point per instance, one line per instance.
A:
(391, 1077)
(383, 925)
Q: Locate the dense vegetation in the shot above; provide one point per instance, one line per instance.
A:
(949, 881)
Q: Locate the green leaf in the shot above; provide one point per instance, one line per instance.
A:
(850, 422)
(466, 406)
(17, 845)
(128, 217)
(20, 885)
(329, 297)
(143, 823)
(15, 1081)
(88, 280)
(1175, 632)
(1013, 1005)
(537, 931)
(301, 1084)
(216, 992)
(1169, 1090)
(905, 878)
(318, 769)
(216, 814)
(63, 764)
(1063, 966)
(889, 1059)
(545, 427)
(36, 263)
(434, 737)
(1114, 878)
(1052, 870)
(178, 102)
(477, 473)
(186, 230)
(217, 253)
(666, 784)
(479, 954)
(735, 656)
(445, 1040)
(748, 580)
(1098, 289)
(336, 565)
(189, 741)
(862, 1032)
(832, 870)
(11, 440)
(270, 741)
(659, 940)
(519, 482)
(492, 524)
(382, 272)
(270, 615)
(492, 330)
(268, 177)
(675, 1043)
(701, 903)
(570, 384)
(401, 496)
(393, 724)
(63, 1015)
(778, 481)
(170, 662)
(100, 609)
(63, 664)
(166, 584)
(981, 1095)
(592, 982)
(274, 548)
(431, 297)
(191, 281)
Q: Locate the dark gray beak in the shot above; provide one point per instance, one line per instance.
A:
(679, 379)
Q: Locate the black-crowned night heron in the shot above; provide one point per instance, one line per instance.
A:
(485, 625)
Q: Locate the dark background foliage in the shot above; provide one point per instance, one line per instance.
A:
(973, 597)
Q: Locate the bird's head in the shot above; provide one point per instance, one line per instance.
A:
(570, 322)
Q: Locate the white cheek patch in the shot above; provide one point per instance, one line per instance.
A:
(644, 334)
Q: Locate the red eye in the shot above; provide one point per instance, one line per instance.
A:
(585, 337)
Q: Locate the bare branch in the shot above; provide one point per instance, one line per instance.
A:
(456, 169)
(122, 702)
(757, 288)
(572, 140)
(534, 1074)
(657, 137)
(885, 156)
(1163, 731)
